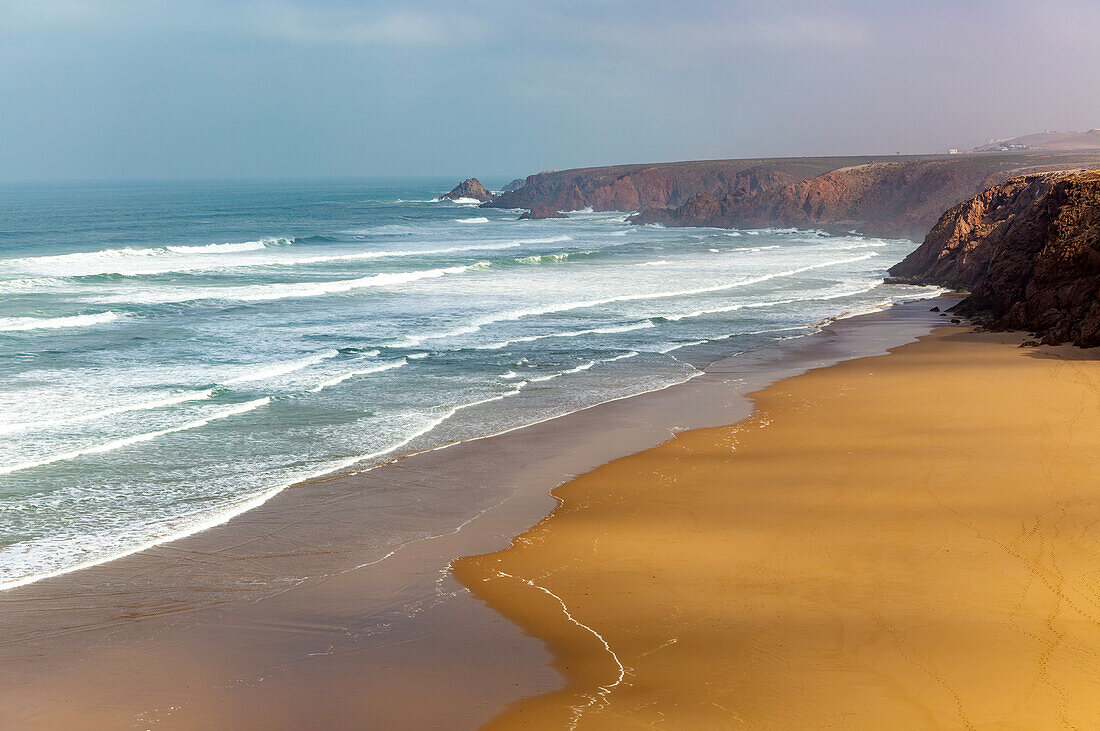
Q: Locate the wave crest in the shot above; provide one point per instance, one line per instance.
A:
(22, 324)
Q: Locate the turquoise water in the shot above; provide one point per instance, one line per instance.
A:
(173, 354)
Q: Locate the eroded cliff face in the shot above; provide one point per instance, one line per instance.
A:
(896, 199)
(1029, 251)
(900, 198)
(661, 185)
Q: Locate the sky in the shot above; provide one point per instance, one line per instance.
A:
(159, 89)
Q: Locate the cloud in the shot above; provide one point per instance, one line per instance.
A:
(800, 31)
(303, 24)
(320, 22)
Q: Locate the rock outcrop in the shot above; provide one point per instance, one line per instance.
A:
(660, 185)
(470, 189)
(541, 212)
(896, 199)
(902, 197)
(1029, 251)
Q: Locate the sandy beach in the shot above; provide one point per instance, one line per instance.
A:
(418, 366)
(892, 542)
(293, 616)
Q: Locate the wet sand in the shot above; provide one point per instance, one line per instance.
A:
(331, 606)
(905, 541)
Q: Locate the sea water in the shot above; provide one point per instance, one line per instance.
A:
(172, 354)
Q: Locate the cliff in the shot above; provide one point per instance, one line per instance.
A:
(896, 199)
(660, 185)
(901, 197)
(1049, 140)
(1029, 249)
(470, 188)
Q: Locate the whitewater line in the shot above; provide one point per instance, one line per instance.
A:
(381, 367)
(273, 370)
(283, 290)
(165, 260)
(111, 411)
(250, 503)
(770, 303)
(478, 324)
(22, 324)
(609, 330)
(137, 438)
(604, 690)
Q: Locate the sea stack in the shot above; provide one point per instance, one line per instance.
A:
(470, 188)
(539, 212)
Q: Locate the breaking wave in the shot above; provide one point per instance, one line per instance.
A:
(281, 290)
(21, 324)
(137, 438)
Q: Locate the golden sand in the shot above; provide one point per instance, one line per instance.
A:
(908, 541)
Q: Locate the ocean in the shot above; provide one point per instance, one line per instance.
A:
(172, 354)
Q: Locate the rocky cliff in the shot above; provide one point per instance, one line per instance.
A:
(1029, 251)
(900, 197)
(897, 199)
(660, 185)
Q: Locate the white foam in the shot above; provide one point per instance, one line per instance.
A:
(197, 523)
(873, 244)
(474, 219)
(387, 366)
(132, 261)
(278, 291)
(612, 329)
(149, 262)
(137, 438)
(582, 367)
(602, 691)
(486, 320)
(30, 284)
(218, 248)
(110, 411)
(587, 365)
(540, 258)
(511, 244)
(677, 346)
(624, 356)
(21, 324)
(273, 370)
(659, 262)
(770, 303)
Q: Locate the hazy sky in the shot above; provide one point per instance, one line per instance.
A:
(258, 88)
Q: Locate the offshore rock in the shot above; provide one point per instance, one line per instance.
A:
(470, 188)
(540, 212)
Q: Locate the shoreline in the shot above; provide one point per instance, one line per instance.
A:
(298, 557)
(350, 467)
(899, 540)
